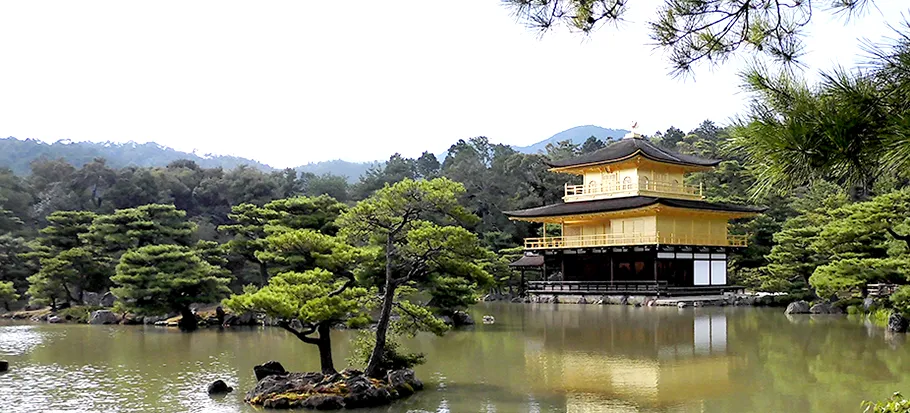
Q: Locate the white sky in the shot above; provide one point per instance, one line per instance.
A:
(292, 82)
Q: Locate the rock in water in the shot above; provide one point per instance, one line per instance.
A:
(4, 366)
(107, 300)
(269, 368)
(54, 319)
(404, 382)
(798, 307)
(103, 317)
(324, 402)
(461, 318)
(362, 393)
(219, 387)
(825, 308)
(897, 323)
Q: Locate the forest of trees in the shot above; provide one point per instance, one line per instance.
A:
(224, 206)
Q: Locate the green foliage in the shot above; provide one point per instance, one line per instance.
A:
(14, 267)
(791, 261)
(255, 225)
(305, 296)
(393, 357)
(695, 31)
(850, 129)
(156, 279)
(901, 300)
(862, 243)
(66, 275)
(153, 224)
(852, 274)
(317, 213)
(63, 231)
(7, 293)
(894, 404)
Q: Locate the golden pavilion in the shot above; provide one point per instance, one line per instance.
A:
(634, 226)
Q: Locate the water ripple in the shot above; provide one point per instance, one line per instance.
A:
(18, 340)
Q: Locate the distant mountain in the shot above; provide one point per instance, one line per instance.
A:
(17, 154)
(578, 135)
(351, 170)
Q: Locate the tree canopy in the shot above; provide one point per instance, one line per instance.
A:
(155, 279)
(694, 31)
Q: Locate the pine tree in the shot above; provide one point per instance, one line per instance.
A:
(155, 279)
(418, 254)
(7, 294)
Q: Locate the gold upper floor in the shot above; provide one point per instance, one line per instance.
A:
(632, 177)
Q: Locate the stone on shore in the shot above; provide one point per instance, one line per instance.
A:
(897, 323)
(868, 303)
(91, 299)
(269, 368)
(107, 300)
(245, 319)
(4, 366)
(797, 307)
(825, 308)
(219, 387)
(54, 319)
(104, 317)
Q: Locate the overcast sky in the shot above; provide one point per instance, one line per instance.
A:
(291, 82)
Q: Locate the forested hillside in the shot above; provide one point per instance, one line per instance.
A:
(17, 154)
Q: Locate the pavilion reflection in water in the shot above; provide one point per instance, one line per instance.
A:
(671, 365)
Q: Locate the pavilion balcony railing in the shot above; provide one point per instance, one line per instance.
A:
(653, 238)
(644, 186)
(596, 287)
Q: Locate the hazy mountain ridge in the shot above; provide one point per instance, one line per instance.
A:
(577, 135)
(18, 154)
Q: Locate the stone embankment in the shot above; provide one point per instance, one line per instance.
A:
(206, 315)
(652, 301)
(279, 389)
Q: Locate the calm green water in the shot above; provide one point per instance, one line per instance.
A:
(535, 358)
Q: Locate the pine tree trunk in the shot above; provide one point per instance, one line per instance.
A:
(187, 320)
(385, 315)
(325, 349)
(264, 272)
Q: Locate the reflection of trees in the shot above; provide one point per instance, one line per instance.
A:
(560, 358)
(820, 364)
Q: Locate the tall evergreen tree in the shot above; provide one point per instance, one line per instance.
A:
(155, 279)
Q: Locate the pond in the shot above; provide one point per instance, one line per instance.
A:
(535, 358)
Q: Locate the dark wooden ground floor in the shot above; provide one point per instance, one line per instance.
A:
(632, 270)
